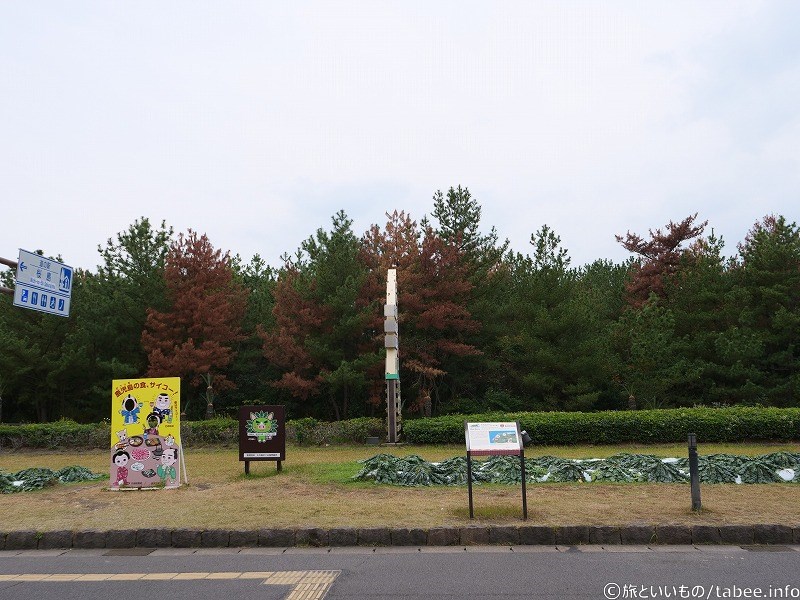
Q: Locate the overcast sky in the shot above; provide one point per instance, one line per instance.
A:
(254, 122)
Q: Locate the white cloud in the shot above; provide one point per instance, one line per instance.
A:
(256, 122)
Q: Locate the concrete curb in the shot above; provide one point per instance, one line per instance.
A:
(501, 535)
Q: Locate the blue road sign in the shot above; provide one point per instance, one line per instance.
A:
(43, 284)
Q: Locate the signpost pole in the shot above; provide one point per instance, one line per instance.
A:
(12, 264)
(469, 484)
(694, 473)
(185, 473)
(524, 492)
(469, 470)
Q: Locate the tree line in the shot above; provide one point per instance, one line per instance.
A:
(482, 327)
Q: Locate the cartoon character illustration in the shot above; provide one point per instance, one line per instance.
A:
(166, 470)
(121, 459)
(163, 407)
(262, 425)
(169, 441)
(130, 409)
(122, 437)
(153, 421)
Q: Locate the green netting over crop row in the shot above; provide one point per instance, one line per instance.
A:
(413, 470)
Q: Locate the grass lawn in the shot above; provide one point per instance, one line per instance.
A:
(315, 490)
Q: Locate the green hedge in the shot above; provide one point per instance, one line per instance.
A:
(615, 427)
(59, 434)
(545, 428)
(213, 432)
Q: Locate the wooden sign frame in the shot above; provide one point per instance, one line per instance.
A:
(262, 434)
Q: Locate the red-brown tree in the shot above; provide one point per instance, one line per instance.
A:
(296, 317)
(659, 257)
(194, 338)
(433, 289)
(318, 341)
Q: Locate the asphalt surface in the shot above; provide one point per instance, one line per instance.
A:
(590, 572)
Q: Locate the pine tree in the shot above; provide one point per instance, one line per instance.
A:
(769, 274)
(458, 222)
(194, 338)
(433, 290)
(659, 257)
(317, 342)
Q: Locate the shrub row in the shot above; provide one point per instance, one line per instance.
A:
(213, 432)
(307, 431)
(545, 428)
(615, 427)
(59, 434)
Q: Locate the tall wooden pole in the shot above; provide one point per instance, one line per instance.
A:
(694, 473)
(391, 343)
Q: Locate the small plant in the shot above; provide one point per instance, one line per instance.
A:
(453, 471)
(37, 478)
(503, 469)
(662, 472)
(566, 472)
(75, 474)
(759, 470)
(610, 471)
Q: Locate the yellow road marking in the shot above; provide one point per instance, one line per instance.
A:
(256, 575)
(161, 576)
(306, 585)
(126, 577)
(223, 575)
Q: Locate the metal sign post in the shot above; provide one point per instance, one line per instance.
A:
(493, 439)
(12, 264)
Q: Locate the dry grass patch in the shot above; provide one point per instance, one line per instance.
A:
(314, 490)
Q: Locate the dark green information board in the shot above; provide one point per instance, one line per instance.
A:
(262, 434)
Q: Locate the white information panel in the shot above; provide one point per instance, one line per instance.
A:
(43, 284)
(493, 438)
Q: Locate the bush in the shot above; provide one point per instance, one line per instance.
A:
(219, 431)
(353, 431)
(615, 427)
(59, 434)
(309, 431)
(545, 428)
(213, 432)
(301, 431)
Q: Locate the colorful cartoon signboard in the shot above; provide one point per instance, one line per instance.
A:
(262, 434)
(145, 433)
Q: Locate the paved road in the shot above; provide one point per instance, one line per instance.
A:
(590, 572)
